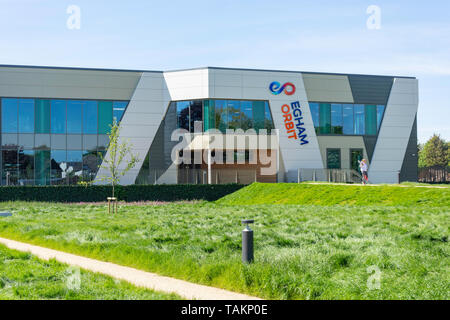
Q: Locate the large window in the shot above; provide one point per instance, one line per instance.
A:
(347, 119)
(90, 117)
(325, 118)
(26, 115)
(359, 119)
(58, 116)
(314, 107)
(42, 116)
(119, 109)
(41, 126)
(9, 115)
(333, 158)
(336, 118)
(74, 116)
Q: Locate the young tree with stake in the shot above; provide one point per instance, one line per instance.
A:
(117, 152)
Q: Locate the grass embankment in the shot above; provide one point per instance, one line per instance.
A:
(301, 251)
(328, 195)
(23, 276)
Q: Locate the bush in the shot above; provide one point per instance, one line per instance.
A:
(129, 193)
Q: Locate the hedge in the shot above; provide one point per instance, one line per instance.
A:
(129, 193)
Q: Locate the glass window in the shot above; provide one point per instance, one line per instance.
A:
(9, 115)
(74, 165)
(348, 119)
(9, 165)
(90, 164)
(195, 113)
(336, 119)
(209, 112)
(42, 120)
(359, 119)
(380, 113)
(371, 119)
(221, 115)
(58, 116)
(314, 107)
(246, 115)
(105, 116)
(26, 167)
(356, 155)
(268, 118)
(119, 109)
(333, 158)
(42, 167)
(26, 115)
(259, 115)
(74, 116)
(325, 118)
(234, 114)
(183, 114)
(58, 157)
(90, 117)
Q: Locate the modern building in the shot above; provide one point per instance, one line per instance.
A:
(55, 121)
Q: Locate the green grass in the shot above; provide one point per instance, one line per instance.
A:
(328, 195)
(304, 251)
(23, 276)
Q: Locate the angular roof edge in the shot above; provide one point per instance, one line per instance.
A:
(199, 68)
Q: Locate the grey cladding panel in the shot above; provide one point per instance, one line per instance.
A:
(370, 142)
(409, 170)
(370, 89)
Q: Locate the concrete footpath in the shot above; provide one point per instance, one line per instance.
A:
(136, 277)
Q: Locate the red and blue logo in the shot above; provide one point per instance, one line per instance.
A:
(276, 88)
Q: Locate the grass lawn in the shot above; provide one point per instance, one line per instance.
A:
(312, 250)
(23, 276)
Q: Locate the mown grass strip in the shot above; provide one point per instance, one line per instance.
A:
(25, 277)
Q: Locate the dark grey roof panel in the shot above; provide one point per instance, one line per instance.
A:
(370, 89)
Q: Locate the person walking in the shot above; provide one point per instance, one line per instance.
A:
(364, 168)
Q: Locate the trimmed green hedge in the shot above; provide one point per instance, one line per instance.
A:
(130, 193)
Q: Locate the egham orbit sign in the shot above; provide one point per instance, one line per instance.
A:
(292, 114)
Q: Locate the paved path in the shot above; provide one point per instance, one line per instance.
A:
(137, 277)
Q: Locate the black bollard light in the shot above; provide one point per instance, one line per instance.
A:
(247, 242)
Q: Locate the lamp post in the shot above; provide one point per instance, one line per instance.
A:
(247, 241)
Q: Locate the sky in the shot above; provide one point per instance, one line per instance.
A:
(413, 39)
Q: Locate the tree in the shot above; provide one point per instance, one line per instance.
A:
(117, 152)
(435, 152)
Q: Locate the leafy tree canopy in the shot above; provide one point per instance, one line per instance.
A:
(435, 152)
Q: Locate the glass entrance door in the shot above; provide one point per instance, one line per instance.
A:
(355, 156)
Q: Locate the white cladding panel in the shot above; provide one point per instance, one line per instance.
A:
(254, 85)
(395, 131)
(149, 100)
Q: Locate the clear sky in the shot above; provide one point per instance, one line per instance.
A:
(329, 36)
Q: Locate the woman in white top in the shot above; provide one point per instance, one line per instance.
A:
(364, 168)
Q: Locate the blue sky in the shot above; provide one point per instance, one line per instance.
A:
(329, 36)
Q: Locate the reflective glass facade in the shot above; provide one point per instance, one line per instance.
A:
(54, 141)
(346, 119)
(235, 114)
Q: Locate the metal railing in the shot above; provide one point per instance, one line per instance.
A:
(329, 175)
(434, 175)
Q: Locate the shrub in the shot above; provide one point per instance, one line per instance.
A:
(129, 193)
